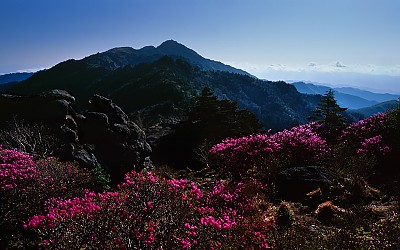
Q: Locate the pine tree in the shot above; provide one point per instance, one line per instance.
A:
(328, 115)
(217, 119)
(209, 121)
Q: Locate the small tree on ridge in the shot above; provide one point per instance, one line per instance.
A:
(328, 115)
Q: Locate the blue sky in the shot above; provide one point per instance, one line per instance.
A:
(273, 39)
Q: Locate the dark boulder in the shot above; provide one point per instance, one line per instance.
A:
(70, 123)
(78, 153)
(121, 147)
(49, 108)
(58, 94)
(295, 183)
(120, 144)
(92, 127)
(113, 111)
(69, 135)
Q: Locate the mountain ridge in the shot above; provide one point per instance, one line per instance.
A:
(168, 85)
(381, 107)
(14, 77)
(123, 56)
(348, 97)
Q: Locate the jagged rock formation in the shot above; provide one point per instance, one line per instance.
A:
(102, 136)
(48, 107)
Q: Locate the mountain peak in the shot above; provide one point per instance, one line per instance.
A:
(170, 42)
(171, 47)
(126, 50)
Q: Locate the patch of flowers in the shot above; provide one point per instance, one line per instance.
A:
(365, 136)
(370, 145)
(16, 168)
(298, 146)
(373, 145)
(25, 185)
(149, 212)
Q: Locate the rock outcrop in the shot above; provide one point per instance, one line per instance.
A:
(110, 109)
(119, 143)
(102, 136)
(295, 183)
(50, 107)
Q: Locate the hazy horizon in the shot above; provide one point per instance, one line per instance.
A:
(350, 43)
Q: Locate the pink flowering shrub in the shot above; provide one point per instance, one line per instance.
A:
(16, 170)
(357, 133)
(373, 145)
(149, 212)
(25, 185)
(301, 145)
(298, 146)
(369, 143)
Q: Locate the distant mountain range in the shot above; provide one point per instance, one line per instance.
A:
(8, 80)
(377, 108)
(348, 97)
(14, 77)
(160, 83)
(379, 97)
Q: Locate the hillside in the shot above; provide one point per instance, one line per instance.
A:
(168, 85)
(14, 77)
(5, 86)
(348, 97)
(377, 108)
(350, 101)
(378, 97)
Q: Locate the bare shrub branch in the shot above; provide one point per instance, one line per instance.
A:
(36, 139)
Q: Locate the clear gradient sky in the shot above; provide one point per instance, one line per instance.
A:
(332, 41)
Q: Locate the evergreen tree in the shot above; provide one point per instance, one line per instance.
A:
(209, 121)
(217, 119)
(328, 114)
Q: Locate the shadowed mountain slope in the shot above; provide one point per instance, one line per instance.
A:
(161, 81)
(170, 84)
